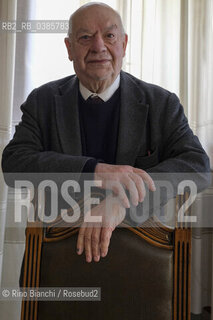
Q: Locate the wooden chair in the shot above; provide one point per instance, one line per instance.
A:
(146, 274)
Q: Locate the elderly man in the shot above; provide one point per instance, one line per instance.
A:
(103, 121)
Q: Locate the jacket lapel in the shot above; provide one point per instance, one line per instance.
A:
(67, 118)
(133, 121)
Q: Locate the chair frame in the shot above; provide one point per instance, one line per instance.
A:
(178, 240)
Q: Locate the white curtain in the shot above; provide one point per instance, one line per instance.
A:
(7, 55)
(14, 79)
(175, 50)
(170, 44)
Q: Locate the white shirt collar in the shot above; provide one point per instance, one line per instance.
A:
(106, 95)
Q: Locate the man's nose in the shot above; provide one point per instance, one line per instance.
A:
(98, 44)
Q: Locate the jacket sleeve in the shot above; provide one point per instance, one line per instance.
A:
(181, 154)
(25, 153)
(177, 157)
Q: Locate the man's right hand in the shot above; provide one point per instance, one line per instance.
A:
(94, 238)
(120, 177)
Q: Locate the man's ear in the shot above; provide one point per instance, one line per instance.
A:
(125, 40)
(68, 46)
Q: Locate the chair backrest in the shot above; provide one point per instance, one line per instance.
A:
(146, 274)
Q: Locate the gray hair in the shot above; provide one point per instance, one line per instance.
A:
(90, 4)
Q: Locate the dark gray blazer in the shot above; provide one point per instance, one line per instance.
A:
(153, 131)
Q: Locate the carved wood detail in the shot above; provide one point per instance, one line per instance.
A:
(32, 260)
(182, 265)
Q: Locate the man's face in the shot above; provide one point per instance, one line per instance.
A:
(97, 45)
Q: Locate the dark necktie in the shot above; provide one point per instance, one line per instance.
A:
(95, 99)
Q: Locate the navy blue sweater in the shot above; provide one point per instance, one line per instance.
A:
(99, 124)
